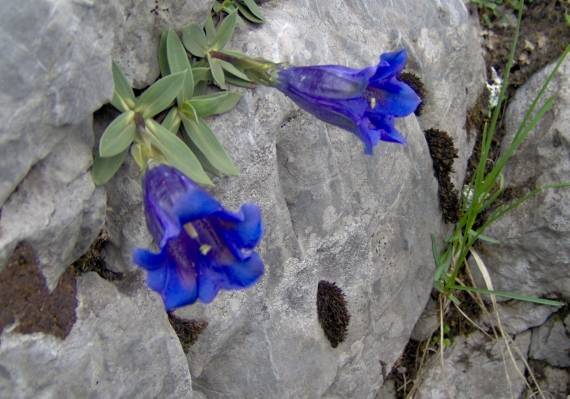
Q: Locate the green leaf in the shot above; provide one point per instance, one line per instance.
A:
(160, 95)
(178, 62)
(210, 29)
(203, 137)
(162, 57)
(215, 103)
(195, 40)
(483, 237)
(201, 74)
(254, 8)
(217, 72)
(248, 15)
(177, 153)
(105, 168)
(118, 136)
(240, 82)
(233, 70)
(225, 32)
(172, 120)
(123, 96)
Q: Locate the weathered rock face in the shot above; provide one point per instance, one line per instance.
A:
(331, 213)
(137, 28)
(533, 256)
(551, 343)
(475, 367)
(121, 346)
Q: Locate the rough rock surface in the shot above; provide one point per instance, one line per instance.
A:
(554, 382)
(121, 346)
(518, 316)
(551, 343)
(533, 256)
(137, 26)
(474, 367)
(331, 213)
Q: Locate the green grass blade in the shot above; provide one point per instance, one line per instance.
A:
(511, 295)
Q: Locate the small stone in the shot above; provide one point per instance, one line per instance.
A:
(551, 343)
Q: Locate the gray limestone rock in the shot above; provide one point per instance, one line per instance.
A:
(551, 343)
(427, 323)
(121, 346)
(331, 213)
(518, 316)
(55, 70)
(533, 256)
(57, 208)
(553, 382)
(475, 367)
(137, 28)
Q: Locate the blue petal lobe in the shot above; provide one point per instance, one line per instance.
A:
(181, 288)
(195, 204)
(390, 65)
(245, 273)
(395, 98)
(146, 259)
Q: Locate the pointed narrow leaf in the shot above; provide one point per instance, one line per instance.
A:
(105, 168)
(160, 95)
(225, 31)
(188, 111)
(177, 153)
(203, 137)
(215, 103)
(172, 120)
(217, 72)
(118, 136)
(239, 82)
(210, 29)
(201, 74)
(178, 62)
(233, 70)
(195, 40)
(123, 96)
(162, 58)
(248, 15)
(254, 8)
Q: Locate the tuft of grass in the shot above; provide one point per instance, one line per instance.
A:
(480, 196)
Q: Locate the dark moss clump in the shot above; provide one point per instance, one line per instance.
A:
(92, 261)
(187, 330)
(26, 300)
(415, 83)
(332, 311)
(443, 152)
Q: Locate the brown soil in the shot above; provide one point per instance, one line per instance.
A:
(25, 298)
(92, 261)
(187, 330)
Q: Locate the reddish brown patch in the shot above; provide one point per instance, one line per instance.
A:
(26, 300)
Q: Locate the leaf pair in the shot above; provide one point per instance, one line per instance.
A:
(200, 40)
(247, 9)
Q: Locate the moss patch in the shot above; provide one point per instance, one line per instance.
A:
(332, 312)
(443, 152)
(25, 298)
(92, 260)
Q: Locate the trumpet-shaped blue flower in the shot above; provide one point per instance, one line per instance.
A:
(203, 247)
(362, 101)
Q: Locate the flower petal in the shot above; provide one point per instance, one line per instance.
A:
(147, 260)
(243, 229)
(333, 82)
(385, 125)
(394, 98)
(369, 135)
(390, 65)
(180, 288)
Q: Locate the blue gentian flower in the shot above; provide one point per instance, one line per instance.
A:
(362, 101)
(203, 247)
